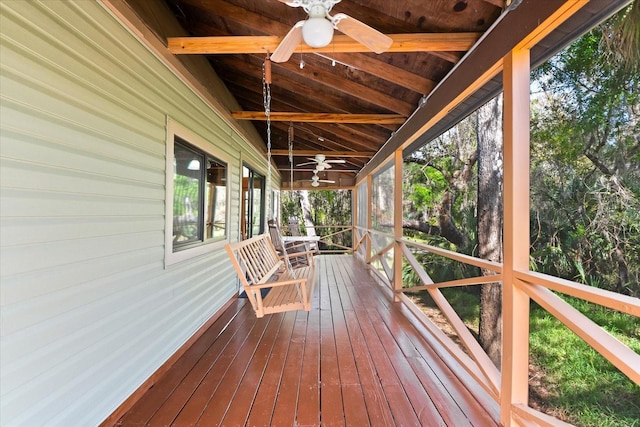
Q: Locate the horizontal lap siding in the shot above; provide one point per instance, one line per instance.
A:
(88, 309)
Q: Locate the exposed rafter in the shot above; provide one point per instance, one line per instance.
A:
(419, 42)
(319, 81)
(386, 71)
(320, 117)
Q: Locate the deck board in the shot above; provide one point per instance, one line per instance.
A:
(356, 359)
(264, 402)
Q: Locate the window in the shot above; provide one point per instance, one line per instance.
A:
(197, 197)
(252, 203)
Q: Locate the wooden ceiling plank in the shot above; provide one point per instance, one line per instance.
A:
(321, 79)
(278, 116)
(385, 71)
(348, 87)
(349, 137)
(452, 57)
(357, 137)
(292, 89)
(497, 3)
(418, 42)
(334, 138)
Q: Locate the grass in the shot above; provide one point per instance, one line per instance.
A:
(570, 380)
(580, 382)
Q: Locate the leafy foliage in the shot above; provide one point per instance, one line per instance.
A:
(328, 208)
(586, 165)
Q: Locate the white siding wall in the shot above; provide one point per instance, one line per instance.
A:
(88, 310)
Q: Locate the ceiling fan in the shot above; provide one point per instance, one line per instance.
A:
(317, 31)
(315, 180)
(320, 162)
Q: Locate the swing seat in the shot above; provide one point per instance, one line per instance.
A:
(259, 266)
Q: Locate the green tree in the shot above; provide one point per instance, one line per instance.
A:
(586, 160)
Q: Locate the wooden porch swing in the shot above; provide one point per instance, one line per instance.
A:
(258, 263)
(259, 266)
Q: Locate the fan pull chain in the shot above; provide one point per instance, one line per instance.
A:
(266, 94)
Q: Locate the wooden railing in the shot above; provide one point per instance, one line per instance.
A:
(328, 240)
(539, 287)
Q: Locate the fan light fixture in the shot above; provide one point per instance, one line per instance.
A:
(317, 31)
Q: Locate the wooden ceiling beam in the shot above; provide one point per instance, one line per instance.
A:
(326, 153)
(277, 116)
(347, 136)
(417, 42)
(366, 135)
(315, 140)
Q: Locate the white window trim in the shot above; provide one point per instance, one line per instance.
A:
(176, 129)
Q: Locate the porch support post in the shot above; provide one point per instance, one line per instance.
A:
(354, 217)
(397, 223)
(369, 208)
(515, 303)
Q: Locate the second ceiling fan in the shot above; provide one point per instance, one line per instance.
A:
(320, 162)
(317, 31)
(315, 181)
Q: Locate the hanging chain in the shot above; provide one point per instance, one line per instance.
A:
(290, 140)
(266, 94)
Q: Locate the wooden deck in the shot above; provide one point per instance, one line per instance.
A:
(356, 359)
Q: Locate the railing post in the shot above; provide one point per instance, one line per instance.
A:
(515, 303)
(354, 217)
(367, 254)
(397, 224)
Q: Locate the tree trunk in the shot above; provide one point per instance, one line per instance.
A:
(306, 213)
(623, 271)
(489, 216)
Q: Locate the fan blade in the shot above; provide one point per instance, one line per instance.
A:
(305, 164)
(335, 161)
(362, 33)
(288, 44)
(327, 181)
(326, 165)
